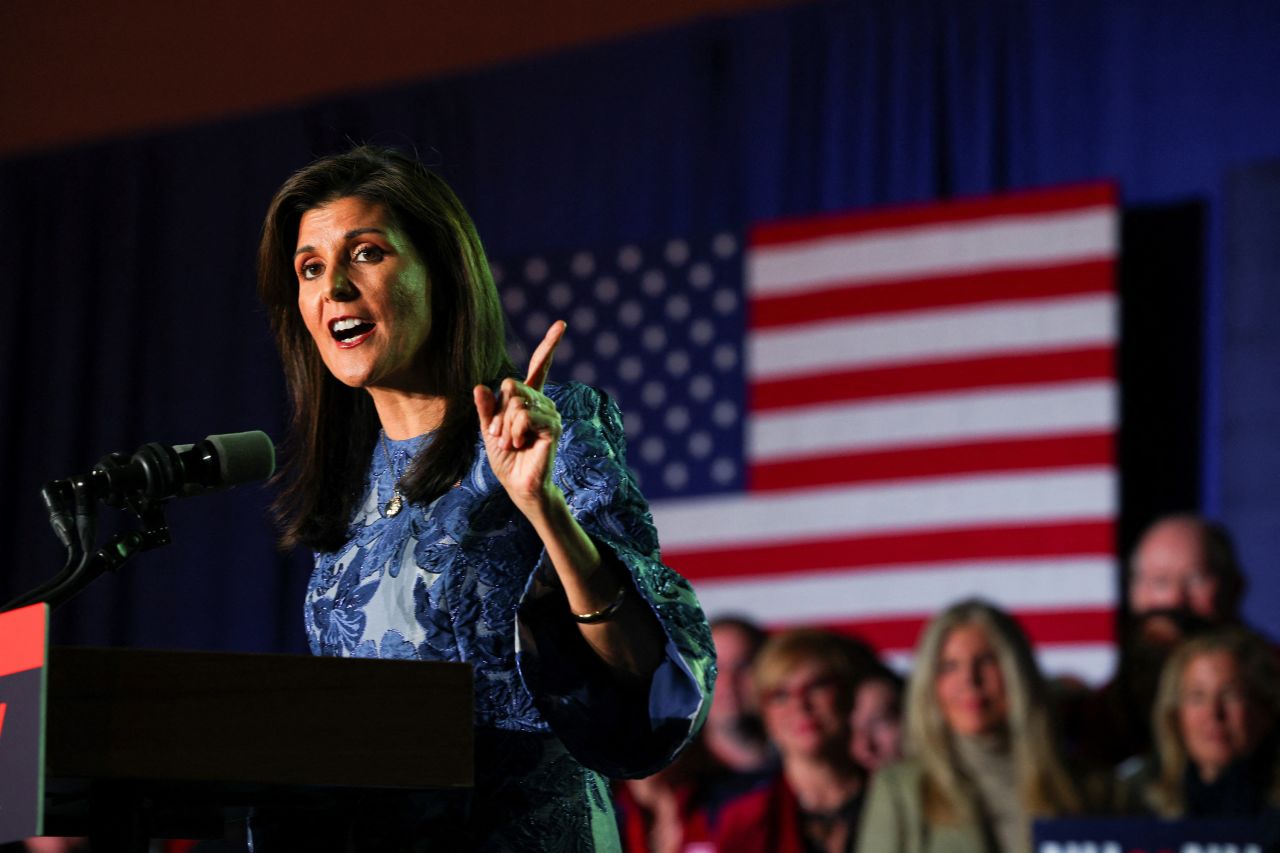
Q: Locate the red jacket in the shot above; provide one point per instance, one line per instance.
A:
(635, 823)
(766, 820)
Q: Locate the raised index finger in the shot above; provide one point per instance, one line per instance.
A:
(540, 363)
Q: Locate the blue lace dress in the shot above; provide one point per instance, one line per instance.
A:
(465, 579)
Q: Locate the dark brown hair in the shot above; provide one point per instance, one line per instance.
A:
(333, 428)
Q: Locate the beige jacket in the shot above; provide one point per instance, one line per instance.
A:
(893, 818)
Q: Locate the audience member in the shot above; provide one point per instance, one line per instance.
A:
(1183, 578)
(877, 720)
(805, 681)
(982, 759)
(1185, 562)
(733, 731)
(1113, 723)
(1215, 732)
(667, 812)
(678, 808)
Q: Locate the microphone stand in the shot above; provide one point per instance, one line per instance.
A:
(84, 564)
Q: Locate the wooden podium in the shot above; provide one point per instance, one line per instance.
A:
(143, 744)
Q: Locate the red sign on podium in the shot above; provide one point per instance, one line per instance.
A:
(24, 638)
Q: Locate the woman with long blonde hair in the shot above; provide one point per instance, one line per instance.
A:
(982, 761)
(1214, 726)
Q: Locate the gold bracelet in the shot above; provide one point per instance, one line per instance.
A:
(604, 614)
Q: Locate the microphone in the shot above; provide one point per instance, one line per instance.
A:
(157, 472)
(140, 482)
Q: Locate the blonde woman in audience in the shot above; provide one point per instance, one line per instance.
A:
(982, 762)
(1215, 731)
(805, 681)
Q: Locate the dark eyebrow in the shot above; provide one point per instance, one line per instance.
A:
(354, 232)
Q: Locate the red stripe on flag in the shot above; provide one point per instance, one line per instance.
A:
(1062, 539)
(935, 461)
(1031, 203)
(933, 376)
(1066, 627)
(860, 300)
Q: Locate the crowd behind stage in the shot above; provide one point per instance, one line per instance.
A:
(812, 744)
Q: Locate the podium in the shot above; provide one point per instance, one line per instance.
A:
(143, 744)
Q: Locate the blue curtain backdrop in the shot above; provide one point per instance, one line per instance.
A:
(1251, 379)
(129, 287)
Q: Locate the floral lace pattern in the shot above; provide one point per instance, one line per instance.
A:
(459, 580)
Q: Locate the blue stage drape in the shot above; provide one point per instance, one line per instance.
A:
(1250, 371)
(131, 314)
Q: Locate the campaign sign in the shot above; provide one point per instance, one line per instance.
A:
(23, 645)
(1149, 835)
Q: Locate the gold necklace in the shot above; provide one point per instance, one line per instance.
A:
(396, 503)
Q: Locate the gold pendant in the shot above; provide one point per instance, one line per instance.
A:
(393, 506)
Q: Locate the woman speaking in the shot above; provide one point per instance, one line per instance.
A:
(459, 513)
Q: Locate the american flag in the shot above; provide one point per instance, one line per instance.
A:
(855, 420)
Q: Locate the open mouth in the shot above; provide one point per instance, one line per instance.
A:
(350, 331)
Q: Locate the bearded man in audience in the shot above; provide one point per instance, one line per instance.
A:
(1183, 578)
(1185, 562)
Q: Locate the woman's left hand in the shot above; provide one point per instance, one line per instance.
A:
(521, 428)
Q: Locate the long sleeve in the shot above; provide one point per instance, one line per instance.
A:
(609, 728)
